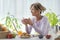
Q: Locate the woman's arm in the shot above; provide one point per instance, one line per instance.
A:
(43, 28)
(28, 29)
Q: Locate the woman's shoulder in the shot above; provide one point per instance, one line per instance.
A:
(44, 18)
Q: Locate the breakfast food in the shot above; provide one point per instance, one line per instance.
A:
(58, 38)
(25, 35)
(3, 28)
(0, 27)
(11, 35)
(19, 33)
(48, 36)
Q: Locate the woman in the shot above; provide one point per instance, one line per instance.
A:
(39, 23)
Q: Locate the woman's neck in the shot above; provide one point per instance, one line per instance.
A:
(38, 17)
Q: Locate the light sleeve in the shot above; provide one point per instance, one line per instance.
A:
(28, 29)
(43, 27)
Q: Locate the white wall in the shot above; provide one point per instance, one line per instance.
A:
(9, 6)
(51, 4)
(1, 8)
(24, 7)
(21, 8)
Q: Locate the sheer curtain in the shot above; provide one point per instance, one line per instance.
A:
(9, 6)
(5, 7)
(49, 4)
(1, 8)
(21, 8)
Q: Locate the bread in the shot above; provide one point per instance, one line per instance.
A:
(0, 27)
(25, 35)
(57, 39)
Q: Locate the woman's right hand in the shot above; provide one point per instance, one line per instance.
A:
(25, 21)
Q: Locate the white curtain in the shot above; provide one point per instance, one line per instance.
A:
(21, 8)
(1, 8)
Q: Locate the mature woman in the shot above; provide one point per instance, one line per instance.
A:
(39, 23)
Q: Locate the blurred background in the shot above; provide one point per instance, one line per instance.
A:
(21, 8)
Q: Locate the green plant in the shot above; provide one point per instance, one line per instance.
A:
(52, 17)
(12, 23)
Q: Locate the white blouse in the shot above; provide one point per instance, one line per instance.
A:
(42, 26)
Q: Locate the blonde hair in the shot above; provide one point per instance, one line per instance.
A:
(38, 6)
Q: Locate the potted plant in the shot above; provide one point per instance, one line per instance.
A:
(12, 23)
(53, 19)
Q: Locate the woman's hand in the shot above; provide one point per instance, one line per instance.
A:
(27, 21)
(30, 22)
(24, 21)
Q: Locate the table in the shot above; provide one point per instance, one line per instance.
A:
(35, 38)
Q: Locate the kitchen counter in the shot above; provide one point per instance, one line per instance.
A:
(54, 35)
(35, 38)
(32, 38)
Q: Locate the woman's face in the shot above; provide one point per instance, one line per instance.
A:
(34, 11)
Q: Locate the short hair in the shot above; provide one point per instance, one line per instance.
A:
(38, 6)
